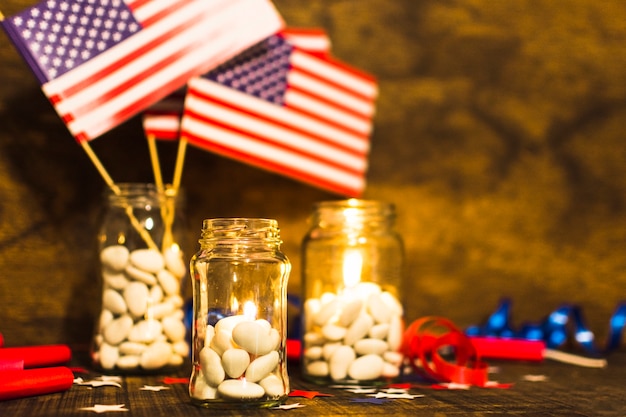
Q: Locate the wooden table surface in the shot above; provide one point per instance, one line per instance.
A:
(538, 389)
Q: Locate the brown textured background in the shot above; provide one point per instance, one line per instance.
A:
(499, 135)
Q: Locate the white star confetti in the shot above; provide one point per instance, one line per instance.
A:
(97, 383)
(153, 388)
(362, 390)
(288, 406)
(535, 378)
(454, 385)
(99, 408)
(395, 396)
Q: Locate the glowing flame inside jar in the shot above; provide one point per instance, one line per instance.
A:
(250, 310)
(352, 266)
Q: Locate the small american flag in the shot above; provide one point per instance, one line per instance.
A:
(280, 108)
(162, 120)
(102, 61)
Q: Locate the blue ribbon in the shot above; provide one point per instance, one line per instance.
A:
(556, 329)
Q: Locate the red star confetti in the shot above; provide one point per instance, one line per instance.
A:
(307, 394)
(288, 406)
(171, 380)
(153, 388)
(99, 408)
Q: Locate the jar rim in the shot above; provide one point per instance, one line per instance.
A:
(240, 228)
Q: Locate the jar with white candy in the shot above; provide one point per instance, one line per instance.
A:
(141, 326)
(352, 316)
(239, 279)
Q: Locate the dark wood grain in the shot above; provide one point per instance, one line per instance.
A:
(566, 391)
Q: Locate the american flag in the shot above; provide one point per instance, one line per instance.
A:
(102, 61)
(278, 107)
(162, 119)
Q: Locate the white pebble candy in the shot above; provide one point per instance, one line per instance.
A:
(365, 368)
(141, 275)
(378, 309)
(340, 362)
(229, 323)
(394, 358)
(145, 331)
(314, 352)
(240, 389)
(157, 355)
(174, 262)
(379, 331)
(156, 294)
(115, 280)
(273, 386)
(311, 307)
(115, 257)
(136, 295)
(390, 370)
(327, 311)
(370, 346)
(161, 310)
(201, 390)
(211, 365)
(128, 362)
(105, 318)
(209, 332)
(392, 302)
(329, 348)
(222, 341)
(132, 348)
(255, 338)
(117, 330)
(168, 282)
(262, 366)
(350, 312)
(113, 301)
(108, 356)
(333, 333)
(181, 348)
(359, 329)
(317, 368)
(396, 331)
(173, 328)
(149, 260)
(235, 362)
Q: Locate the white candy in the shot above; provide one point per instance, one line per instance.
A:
(378, 309)
(327, 311)
(128, 362)
(333, 333)
(350, 312)
(241, 390)
(366, 368)
(116, 331)
(115, 280)
(262, 366)
(359, 329)
(379, 331)
(390, 370)
(132, 348)
(396, 330)
(317, 368)
(235, 362)
(105, 318)
(221, 341)
(255, 338)
(173, 328)
(113, 301)
(108, 356)
(174, 262)
(149, 260)
(212, 369)
(340, 361)
(168, 282)
(141, 275)
(370, 346)
(314, 352)
(273, 386)
(145, 331)
(201, 390)
(157, 355)
(115, 257)
(136, 295)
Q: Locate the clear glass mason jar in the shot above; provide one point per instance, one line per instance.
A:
(141, 327)
(352, 316)
(239, 280)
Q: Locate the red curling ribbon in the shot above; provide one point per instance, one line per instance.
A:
(31, 382)
(425, 340)
(37, 356)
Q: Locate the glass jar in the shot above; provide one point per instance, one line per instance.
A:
(141, 327)
(352, 316)
(239, 279)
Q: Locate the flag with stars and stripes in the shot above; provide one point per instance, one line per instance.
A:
(162, 120)
(275, 106)
(99, 62)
